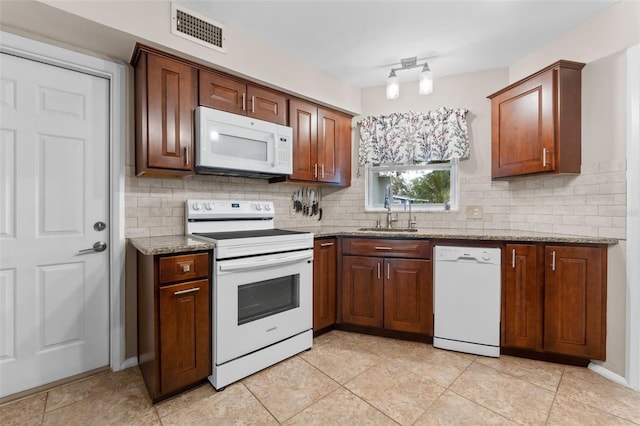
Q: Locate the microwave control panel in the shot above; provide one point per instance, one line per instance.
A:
(283, 150)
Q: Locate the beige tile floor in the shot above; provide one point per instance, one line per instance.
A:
(351, 379)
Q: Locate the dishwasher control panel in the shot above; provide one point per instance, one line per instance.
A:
(471, 254)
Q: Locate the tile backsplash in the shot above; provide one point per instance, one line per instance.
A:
(591, 204)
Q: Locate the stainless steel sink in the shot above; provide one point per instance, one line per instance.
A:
(389, 229)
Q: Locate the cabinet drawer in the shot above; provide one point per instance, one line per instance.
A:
(419, 249)
(184, 267)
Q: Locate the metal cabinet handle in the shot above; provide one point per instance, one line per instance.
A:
(191, 290)
(513, 259)
(378, 270)
(186, 156)
(553, 260)
(98, 246)
(383, 248)
(544, 157)
(326, 244)
(322, 171)
(244, 101)
(315, 170)
(388, 271)
(253, 104)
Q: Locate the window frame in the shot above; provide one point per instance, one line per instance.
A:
(454, 174)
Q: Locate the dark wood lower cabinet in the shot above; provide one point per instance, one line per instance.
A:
(575, 301)
(362, 291)
(389, 293)
(324, 283)
(174, 322)
(522, 297)
(407, 296)
(554, 299)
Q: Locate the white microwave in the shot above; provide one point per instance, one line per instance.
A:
(232, 144)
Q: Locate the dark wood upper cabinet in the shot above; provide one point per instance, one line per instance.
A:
(238, 97)
(166, 96)
(535, 123)
(321, 144)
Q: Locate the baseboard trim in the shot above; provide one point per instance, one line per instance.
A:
(608, 374)
(129, 362)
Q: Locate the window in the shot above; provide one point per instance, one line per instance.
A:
(429, 186)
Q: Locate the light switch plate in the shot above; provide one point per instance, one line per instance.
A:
(474, 212)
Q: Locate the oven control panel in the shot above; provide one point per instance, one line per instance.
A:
(229, 209)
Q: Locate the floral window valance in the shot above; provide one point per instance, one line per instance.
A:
(414, 137)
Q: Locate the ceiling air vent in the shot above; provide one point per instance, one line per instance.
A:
(197, 28)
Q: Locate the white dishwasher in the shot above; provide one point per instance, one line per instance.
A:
(467, 299)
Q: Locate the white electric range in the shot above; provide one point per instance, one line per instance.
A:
(262, 301)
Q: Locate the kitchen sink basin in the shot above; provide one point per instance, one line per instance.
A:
(389, 229)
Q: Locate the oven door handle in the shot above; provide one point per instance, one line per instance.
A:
(264, 263)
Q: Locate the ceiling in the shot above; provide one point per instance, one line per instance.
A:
(359, 41)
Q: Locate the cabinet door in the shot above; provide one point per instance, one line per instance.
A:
(522, 298)
(334, 146)
(266, 105)
(324, 283)
(575, 301)
(522, 127)
(185, 334)
(222, 93)
(362, 291)
(170, 102)
(408, 295)
(303, 119)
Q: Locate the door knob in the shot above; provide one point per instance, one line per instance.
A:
(98, 246)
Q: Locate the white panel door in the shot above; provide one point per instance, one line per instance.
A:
(54, 157)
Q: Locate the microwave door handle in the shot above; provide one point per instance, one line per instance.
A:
(274, 146)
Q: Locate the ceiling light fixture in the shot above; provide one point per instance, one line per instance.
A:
(425, 83)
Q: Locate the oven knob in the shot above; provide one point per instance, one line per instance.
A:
(196, 206)
(267, 207)
(207, 205)
(258, 207)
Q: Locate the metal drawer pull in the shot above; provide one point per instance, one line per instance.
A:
(553, 260)
(191, 290)
(326, 244)
(186, 268)
(383, 248)
(513, 259)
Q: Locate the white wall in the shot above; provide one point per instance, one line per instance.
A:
(112, 27)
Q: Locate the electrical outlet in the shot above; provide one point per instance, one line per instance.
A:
(474, 212)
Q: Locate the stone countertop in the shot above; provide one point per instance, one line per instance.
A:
(467, 234)
(182, 243)
(169, 244)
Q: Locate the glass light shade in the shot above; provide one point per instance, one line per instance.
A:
(426, 80)
(393, 86)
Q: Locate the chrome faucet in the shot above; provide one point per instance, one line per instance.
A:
(412, 221)
(388, 196)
